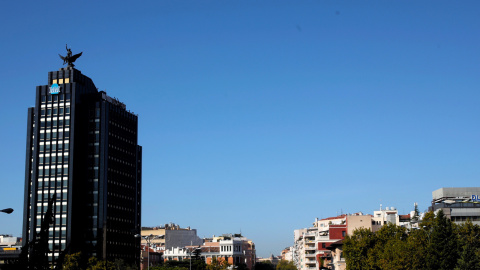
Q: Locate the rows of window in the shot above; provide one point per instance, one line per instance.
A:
(93, 169)
(52, 147)
(60, 111)
(60, 221)
(45, 197)
(465, 218)
(57, 246)
(226, 248)
(53, 184)
(55, 98)
(58, 208)
(53, 123)
(46, 171)
(53, 159)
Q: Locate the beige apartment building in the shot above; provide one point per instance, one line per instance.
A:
(169, 236)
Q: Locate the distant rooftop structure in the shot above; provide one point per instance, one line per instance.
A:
(459, 204)
(457, 194)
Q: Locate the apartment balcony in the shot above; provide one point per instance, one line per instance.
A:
(324, 253)
(310, 255)
(310, 248)
(323, 237)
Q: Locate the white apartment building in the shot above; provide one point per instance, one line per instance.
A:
(236, 250)
(384, 216)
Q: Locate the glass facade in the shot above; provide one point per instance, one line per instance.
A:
(84, 160)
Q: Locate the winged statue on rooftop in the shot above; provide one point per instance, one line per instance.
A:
(69, 59)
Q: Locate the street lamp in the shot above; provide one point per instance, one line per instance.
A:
(149, 239)
(8, 210)
(190, 253)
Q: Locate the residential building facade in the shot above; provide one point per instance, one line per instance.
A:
(235, 249)
(170, 236)
(312, 246)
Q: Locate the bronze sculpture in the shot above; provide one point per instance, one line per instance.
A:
(69, 58)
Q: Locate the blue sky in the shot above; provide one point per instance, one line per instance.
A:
(258, 116)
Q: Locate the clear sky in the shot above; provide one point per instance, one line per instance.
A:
(258, 116)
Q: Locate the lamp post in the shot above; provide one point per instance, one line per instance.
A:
(7, 210)
(148, 239)
(190, 253)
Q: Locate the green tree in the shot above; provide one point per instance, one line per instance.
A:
(393, 256)
(357, 248)
(427, 221)
(442, 246)
(390, 247)
(321, 262)
(198, 262)
(241, 266)
(416, 214)
(266, 265)
(286, 265)
(95, 264)
(468, 246)
(168, 267)
(72, 262)
(218, 264)
(417, 243)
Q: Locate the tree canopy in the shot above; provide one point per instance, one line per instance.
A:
(437, 244)
(286, 265)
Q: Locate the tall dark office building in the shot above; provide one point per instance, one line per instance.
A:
(83, 158)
